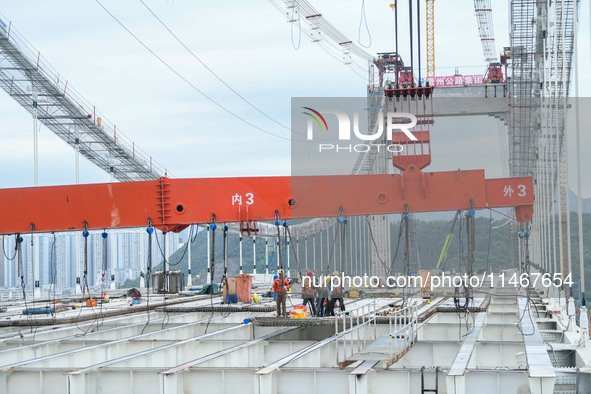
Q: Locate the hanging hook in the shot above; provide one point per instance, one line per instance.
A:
(85, 231)
(341, 218)
(213, 226)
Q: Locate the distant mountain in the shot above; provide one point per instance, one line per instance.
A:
(445, 216)
(573, 203)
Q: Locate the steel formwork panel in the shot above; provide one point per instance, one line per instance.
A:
(500, 332)
(430, 354)
(491, 355)
(180, 358)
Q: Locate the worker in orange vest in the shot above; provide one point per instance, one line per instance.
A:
(280, 288)
(322, 294)
(309, 292)
(336, 294)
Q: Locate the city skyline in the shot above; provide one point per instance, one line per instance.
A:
(58, 255)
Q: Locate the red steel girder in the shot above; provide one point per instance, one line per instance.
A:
(173, 204)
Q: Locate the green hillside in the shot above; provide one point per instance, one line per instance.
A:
(431, 237)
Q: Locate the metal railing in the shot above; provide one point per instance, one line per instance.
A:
(67, 102)
(403, 324)
(351, 336)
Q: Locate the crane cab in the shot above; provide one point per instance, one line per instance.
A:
(405, 77)
(494, 73)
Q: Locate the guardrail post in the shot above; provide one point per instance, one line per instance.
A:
(375, 335)
(336, 332)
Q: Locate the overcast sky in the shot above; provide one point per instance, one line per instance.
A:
(248, 43)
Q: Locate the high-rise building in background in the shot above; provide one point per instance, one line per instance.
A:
(127, 252)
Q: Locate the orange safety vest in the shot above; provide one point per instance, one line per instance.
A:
(337, 292)
(307, 289)
(277, 285)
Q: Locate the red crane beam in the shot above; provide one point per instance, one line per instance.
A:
(173, 204)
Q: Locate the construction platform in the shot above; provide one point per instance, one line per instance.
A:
(504, 341)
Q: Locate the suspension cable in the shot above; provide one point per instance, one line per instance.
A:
(419, 38)
(85, 273)
(411, 42)
(334, 241)
(212, 228)
(150, 231)
(224, 280)
(343, 221)
(279, 259)
(396, 38)
(400, 229)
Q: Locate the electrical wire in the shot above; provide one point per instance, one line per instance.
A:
(363, 18)
(195, 236)
(411, 34)
(15, 250)
(489, 239)
(374, 244)
(52, 275)
(501, 213)
(96, 316)
(343, 244)
(279, 257)
(100, 312)
(419, 39)
(340, 60)
(212, 259)
(211, 71)
(332, 33)
(463, 311)
(334, 241)
(293, 11)
(400, 228)
(501, 225)
(178, 74)
(29, 317)
(147, 305)
(165, 260)
(166, 319)
(224, 279)
(184, 251)
(460, 245)
(84, 284)
(293, 251)
(148, 273)
(527, 310)
(396, 39)
(528, 304)
(84, 289)
(23, 286)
